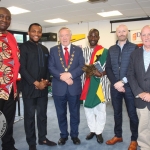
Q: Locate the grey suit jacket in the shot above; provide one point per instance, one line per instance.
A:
(138, 78)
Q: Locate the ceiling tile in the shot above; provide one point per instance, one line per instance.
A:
(125, 6)
(8, 3)
(142, 0)
(93, 5)
(49, 9)
(101, 9)
(120, 2)
(144, 4)
(146, 9)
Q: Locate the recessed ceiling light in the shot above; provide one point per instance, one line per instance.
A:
(16, 10)
(78, 1)
(58, 20)
(110, 13)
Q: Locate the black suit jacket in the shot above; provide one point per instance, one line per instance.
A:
(32, 69)
(138, 78)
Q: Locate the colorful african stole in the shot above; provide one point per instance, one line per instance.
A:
(92, 92)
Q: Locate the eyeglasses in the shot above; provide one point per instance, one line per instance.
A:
(7, 18)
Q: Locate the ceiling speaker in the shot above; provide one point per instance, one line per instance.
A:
(94, 1)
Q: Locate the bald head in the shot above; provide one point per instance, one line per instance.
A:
(122, 32)
(145, 27)
(122, 26)
(145, 36)
(5, 19)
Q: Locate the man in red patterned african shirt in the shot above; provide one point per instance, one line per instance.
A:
(9, 67)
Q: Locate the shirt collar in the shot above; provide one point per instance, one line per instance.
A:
(120, 45)
(69, 46)
(117, 42)
(145, 49)
(66, 46)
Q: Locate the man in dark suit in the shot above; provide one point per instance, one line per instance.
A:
(116, 70)
(34, 80)
(139, 80)
(65, 65)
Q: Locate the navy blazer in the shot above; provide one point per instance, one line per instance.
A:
(60, 87)
(138, 78)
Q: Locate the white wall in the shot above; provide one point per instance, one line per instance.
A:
(75, 28)
(106, 38)
(20, 27)
(135, 25)
(83, 28)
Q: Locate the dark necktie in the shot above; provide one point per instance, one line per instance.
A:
(66, 55)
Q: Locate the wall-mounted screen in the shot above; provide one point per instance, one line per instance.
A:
(19, 38)
(27, 37)
(49, 37)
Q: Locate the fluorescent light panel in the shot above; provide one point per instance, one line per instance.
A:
(78, 1)
(110, 13)
(58, 20)
(16, 10)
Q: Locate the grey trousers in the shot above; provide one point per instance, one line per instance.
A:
(144, 128)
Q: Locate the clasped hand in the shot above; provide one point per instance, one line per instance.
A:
(145, 96)
(99, 74)
(66, 77)
(42, 84)
(119, 86)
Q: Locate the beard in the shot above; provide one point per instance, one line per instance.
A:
(122, 38)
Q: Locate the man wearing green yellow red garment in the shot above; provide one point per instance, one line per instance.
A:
(94, 92)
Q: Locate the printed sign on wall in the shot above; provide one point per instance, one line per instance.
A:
(135, 37)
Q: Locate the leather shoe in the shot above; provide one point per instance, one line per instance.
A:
(62, 141)
(90, 136)
(48, 142)
(99, 138)
(114, 140)
(76, 140)
(13, 148)
(133, 145)
(32, 147)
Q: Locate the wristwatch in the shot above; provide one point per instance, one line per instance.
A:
(137, 96)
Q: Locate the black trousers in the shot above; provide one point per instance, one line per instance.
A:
(8, 108)
(38, 105)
